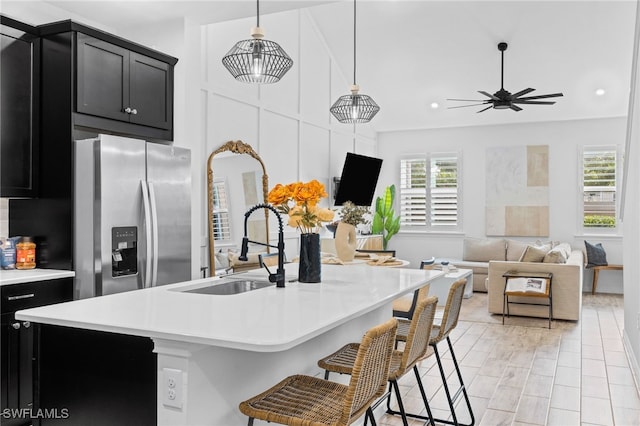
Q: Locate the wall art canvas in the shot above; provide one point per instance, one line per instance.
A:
(517, 191)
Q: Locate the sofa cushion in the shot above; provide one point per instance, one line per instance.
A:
(533, 254)
(483, 250)
(515, 249)
(476, 267)
(596, 255)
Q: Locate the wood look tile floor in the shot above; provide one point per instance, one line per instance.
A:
(522, 373)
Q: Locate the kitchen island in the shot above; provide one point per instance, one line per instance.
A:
(213, 351)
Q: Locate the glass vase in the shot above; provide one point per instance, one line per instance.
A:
(309, 267)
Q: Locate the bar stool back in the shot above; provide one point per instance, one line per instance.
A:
(307, 400)
(441, 331)
(342, 361)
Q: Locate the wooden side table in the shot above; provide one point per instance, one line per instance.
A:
(547, 294)
(596, 271)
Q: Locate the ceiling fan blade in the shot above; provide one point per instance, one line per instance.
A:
(489, 107)
(489, 95)
(464, 106)
(467, 100)
(515, 108)
(520, 101)
(553, 95)
(522, 92)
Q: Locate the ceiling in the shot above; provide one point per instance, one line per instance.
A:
(412, 53)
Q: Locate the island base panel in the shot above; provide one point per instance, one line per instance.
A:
(96, 378)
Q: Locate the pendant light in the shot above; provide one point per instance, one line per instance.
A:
(354, 108)
(257, 60)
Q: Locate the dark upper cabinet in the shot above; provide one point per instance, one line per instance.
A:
(19, 66)
(117, 83)
(96, 82)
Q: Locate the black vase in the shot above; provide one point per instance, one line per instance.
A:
(309, 267)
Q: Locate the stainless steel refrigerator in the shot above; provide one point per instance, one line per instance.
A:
(132, 206)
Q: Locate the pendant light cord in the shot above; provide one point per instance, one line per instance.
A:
(354, 42)
(502, 71)
(258, 13)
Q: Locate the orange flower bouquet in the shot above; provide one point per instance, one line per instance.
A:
(299, 201)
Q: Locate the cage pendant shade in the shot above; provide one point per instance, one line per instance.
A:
(354, 108)
(257, 61)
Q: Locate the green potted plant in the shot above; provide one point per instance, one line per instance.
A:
(385, 221)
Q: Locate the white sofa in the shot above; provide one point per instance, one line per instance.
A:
(477, 252)
(566, 287)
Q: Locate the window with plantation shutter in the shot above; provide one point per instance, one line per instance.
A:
(444, 190)
(429, 192)
(221, 225)
(599, 187)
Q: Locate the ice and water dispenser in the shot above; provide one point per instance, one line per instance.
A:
(124, 251)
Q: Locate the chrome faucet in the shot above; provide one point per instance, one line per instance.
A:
(278, 277)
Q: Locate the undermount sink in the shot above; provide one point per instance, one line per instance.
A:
(231, 287)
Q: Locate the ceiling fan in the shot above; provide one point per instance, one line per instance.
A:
(503, 99)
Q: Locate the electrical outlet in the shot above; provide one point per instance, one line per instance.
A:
(172, 387)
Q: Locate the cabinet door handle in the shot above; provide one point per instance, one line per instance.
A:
(134, 111)
(26, 324)
(21, 296)
(127, 110)
(16, 325)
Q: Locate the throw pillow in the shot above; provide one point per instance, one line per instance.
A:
(565, 248)
(533, 254)
(515, 249)
(222, 260)
(596, 255)
(555, 256)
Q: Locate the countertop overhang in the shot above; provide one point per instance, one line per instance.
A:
(266, 320)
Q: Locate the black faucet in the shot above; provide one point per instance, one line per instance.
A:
(278, 277)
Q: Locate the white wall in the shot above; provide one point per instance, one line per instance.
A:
(287, 123)
(631, 215)
(564, 140)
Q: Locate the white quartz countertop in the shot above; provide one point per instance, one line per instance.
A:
(265, 320)
(19, 276)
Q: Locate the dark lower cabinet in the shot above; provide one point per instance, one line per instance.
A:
(17, 370)
(19, 347)
(96, 378)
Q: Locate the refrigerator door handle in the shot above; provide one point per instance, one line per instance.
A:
(154, 225)
(147, 232)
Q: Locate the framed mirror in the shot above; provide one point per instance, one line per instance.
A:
(239, 165)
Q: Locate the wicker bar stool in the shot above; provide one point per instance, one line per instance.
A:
(417, 343)
(440, 331)
(306, 400)
(403, 307)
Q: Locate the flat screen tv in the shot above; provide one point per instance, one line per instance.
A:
(359, 179)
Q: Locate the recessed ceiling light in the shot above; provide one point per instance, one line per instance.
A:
(600, 92)
(435, 105)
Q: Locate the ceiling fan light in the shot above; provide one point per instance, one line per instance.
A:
(501, 104)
